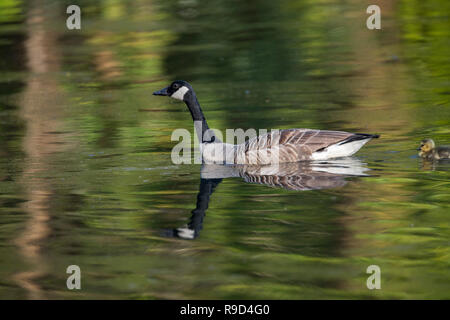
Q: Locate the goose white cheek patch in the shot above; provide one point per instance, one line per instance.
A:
(179, 94)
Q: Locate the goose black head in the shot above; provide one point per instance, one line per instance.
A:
(179, 89)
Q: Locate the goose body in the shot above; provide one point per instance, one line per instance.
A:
(289, 145)
(429, 151)
(277, 146)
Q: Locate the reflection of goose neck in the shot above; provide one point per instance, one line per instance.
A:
(207, 187)
(192, 230)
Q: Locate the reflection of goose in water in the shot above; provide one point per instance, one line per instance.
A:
(298, 176)
(192, 229)
(291, 176)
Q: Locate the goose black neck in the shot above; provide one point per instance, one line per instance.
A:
(198, 117)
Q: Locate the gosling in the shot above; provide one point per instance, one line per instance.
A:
(429, 151)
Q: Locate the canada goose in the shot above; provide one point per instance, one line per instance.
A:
(429, 151)
(280, 146)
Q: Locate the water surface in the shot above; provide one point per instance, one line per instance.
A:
(86, 176)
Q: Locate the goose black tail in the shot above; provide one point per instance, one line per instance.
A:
(359, 136)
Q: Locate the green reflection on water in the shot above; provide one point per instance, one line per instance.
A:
(86, 176)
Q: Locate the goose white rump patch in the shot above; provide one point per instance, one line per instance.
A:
(339, 150)
(179, 94)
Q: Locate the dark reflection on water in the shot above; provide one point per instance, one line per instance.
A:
(86, 176)
(303, 176)
(192, 230)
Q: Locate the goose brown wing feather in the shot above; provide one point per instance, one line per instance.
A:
(291, 144)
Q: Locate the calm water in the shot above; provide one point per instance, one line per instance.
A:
(86, 176)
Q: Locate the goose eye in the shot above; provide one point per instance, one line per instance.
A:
(176, 86)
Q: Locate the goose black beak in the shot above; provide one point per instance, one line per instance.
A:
(162, 92)
(418, 149)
